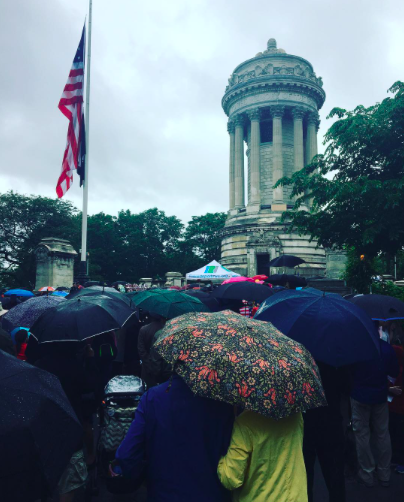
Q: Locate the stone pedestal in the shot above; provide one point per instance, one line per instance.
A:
(147, 281)
(174, 279)
(336, 262)
(55, 263)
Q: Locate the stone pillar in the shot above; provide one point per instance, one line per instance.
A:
(55, 263)
(277, 166)
(254, 116)
(311, 144)
(230, 128)
(298, 149)
(239, 162)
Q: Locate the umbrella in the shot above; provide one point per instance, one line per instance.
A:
(168, 304)
(18, 292)
(380, 307)
(47, 288)
(39, 430)
(25, 314)
(91, 283)
(104, 289)
(238, 279)
(260, 277)
(62, 294)
(231, 358)
(242, 291)
(124, 283)
(334, 330)
(282, 279)
(80, 319)
(111, 293)
(206, 298)
(286, 260)
(62, 288)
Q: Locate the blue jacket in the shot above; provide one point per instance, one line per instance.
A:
(181, 437)
(370, 378)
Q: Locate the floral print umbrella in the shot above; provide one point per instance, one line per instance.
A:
(248, 363)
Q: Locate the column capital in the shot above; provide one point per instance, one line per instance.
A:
(239, 120)
(230, 127)
(298, 112)
(277, 111)
(254, 114)
(312, 118)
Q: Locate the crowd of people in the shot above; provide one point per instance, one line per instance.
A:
(190, 448)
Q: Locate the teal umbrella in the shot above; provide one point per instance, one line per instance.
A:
(168, 304)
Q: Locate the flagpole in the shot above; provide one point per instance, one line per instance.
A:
(83, 262)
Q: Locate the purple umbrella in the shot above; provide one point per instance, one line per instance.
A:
(25, 314)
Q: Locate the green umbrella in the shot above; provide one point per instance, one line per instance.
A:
(168, 304)
(231, 358)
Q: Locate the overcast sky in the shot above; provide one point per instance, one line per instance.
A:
(158, 133)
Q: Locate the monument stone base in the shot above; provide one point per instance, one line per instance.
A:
(55, 263)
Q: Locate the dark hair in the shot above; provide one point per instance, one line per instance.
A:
(20, 338)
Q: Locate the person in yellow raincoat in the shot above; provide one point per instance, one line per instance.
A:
(264, 462)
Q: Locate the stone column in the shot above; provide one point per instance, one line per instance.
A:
(298, 150)
(277, 166)
(311, 145)
(230, 128)
(239, 162)
(254, 116)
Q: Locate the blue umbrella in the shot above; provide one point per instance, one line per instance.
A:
(25, 314)
(19, 292)
(334, 330)
(60, 293)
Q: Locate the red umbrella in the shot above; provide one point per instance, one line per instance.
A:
(260, 277)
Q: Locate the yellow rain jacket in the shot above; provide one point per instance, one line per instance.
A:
(264, 462)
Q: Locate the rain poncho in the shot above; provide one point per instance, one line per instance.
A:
(264, 462)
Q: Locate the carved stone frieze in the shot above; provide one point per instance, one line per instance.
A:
(270, 69)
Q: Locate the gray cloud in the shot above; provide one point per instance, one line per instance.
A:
(159, 69)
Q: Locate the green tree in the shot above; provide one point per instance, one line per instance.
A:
(203, 236)
(357, 185)
(24, 221)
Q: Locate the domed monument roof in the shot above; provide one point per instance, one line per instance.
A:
(273, 70)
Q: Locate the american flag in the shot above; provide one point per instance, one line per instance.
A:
(71, 105)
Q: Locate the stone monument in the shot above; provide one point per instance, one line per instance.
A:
(272, 102)
(54, 263)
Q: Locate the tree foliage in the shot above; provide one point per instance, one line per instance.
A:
(123, 247)
(357, 185)
(24, 221)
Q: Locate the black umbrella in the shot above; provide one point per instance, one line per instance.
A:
(378, 307)
(206, 298)
(119, 282)
(91, 283)
(282, 279)
(39, 431)
(242, 291)
(286, 260)
(91, 289)
(116, 295)
(62, 288)
(81, 318)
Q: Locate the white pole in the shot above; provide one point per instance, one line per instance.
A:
(83, 268)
